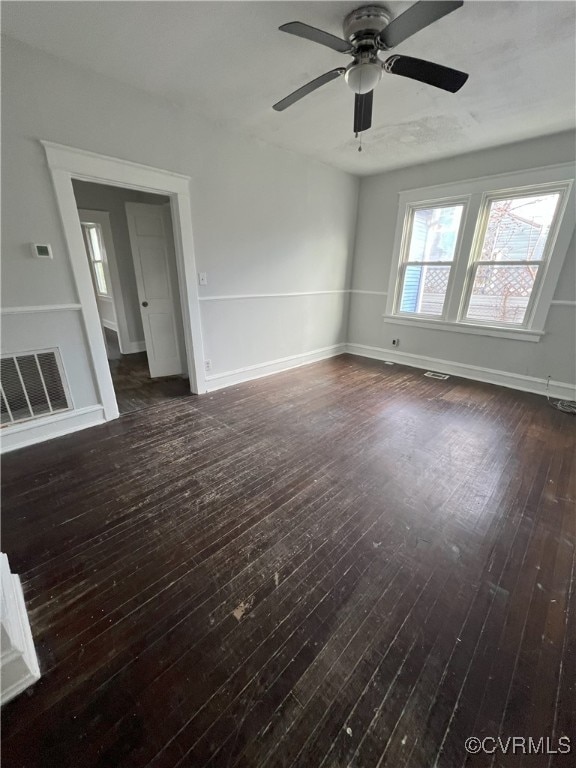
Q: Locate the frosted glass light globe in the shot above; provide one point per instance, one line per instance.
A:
(363, 78)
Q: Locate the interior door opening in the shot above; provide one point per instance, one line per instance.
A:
(129, 242)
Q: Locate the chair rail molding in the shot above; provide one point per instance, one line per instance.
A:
(41, 308)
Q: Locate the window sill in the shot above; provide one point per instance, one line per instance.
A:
(518, 334)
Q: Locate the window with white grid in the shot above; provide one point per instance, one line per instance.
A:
(97, 254)
(484, 255)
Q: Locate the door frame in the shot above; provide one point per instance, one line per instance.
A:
(67, 163)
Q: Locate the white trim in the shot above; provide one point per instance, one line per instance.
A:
(34, 431)
(66, 203)
(19, 661)
(235, 297)
(562, 303)
(110, 325)
(85, 162)
(227, 379)
(133, 347)
(66, 163)
(557, 389)
(478, 182)
(518, 334)
(370, 293)
(43, 308)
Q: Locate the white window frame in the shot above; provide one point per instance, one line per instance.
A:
(93, 260)
(403, 261)
(478, 193)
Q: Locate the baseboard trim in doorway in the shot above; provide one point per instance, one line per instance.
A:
(557, 389)
(132, 347)
(60, 424)
(250, 372)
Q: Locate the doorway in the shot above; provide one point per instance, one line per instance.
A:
(67, 164)
(128, 237)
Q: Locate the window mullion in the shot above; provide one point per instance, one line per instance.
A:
(462, 259)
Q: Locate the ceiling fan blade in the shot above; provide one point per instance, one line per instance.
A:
(363, 111)
(316, 36)
(426, 72)
(417, 17)
(308, 88)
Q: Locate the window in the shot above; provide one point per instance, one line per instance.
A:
(97, 255)
(513, 247)
(431, 246)
(482, 256)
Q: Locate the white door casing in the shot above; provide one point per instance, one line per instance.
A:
(67, 163)
(156, 280)
(18, 661)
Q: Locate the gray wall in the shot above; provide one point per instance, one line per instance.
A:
(265, 221)
(553, 355)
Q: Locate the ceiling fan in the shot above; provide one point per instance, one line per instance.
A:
(369, 30)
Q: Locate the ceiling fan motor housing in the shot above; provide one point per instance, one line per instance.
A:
(362, 25)
(361, 28)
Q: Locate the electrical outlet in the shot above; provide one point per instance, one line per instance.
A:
(203, 278)
(207, 365)
(395, 342)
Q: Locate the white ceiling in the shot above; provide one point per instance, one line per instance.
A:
(229, 61)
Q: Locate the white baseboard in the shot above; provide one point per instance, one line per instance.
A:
(557, 389)
(18, 661)
(110, 325)
(37, 430)
(131, 347)
(227, 379)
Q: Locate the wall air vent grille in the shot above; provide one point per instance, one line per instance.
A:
(33, 385)
(434, 375)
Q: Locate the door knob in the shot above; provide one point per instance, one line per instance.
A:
(144, 303)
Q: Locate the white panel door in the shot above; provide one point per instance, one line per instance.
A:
(152, 253)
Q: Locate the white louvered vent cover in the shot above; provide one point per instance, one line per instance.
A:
(33, 385)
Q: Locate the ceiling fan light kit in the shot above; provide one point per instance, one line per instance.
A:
(369, 30)
(363, 76)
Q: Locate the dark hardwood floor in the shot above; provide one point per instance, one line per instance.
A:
(348, 564)
(135, 389)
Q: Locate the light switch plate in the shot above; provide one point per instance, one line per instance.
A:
(203, 278)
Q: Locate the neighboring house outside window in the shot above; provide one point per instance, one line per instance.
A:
(513, 250)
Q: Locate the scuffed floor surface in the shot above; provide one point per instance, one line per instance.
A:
(135, 389)
(348, 564)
